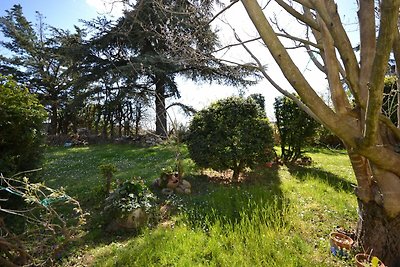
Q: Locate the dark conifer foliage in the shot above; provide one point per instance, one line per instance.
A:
(158, 40)
(104, 75)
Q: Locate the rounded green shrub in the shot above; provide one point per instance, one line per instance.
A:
(232, 133)
(21, 122)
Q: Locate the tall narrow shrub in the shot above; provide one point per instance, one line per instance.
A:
(295, 128)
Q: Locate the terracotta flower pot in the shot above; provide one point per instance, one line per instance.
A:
(364, 260)
(341, 241)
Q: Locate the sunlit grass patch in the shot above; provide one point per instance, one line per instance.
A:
(263, 239)
(276, 217)
(76, 168)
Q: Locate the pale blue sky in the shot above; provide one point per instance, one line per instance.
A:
(58, 13)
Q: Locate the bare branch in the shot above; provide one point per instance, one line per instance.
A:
(292, 73)
(314, 59)
(304, 41)
(277, 87)
(387, 31)
(237, 44)
(222, 11)
(340, 100)
(305, 3)
(328, 12)
(312, 23)
(367, 43)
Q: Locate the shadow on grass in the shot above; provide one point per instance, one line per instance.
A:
(307, 173)
(326, 151)
(229, 203)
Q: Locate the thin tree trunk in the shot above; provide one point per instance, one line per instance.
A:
(235, 176)
(236, 171)
(120, 119)
(128, 118)
(105, 126)
(97, 121)
(138, 118)
(161, 113)
(53, 119)
(112, 126)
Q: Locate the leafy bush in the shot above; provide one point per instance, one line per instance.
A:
(295, 128)
(326, 138)
(232, 133)
(21, 122)
(260, 100)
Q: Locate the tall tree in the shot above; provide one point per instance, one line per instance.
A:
(371, 139)
(157, 40)
(35, 57)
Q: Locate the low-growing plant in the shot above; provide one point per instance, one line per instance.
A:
(107, 170)
(128, 197)
(166, 174)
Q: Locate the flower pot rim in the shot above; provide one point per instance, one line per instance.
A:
(366, 257)
(341, 244)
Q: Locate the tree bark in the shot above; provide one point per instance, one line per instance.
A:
(161, 112)
(104, 134)
(53, 120)
(138, 118)
(120, 117)
(235, 175)
(379, 234)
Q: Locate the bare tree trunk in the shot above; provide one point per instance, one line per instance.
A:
(105, 126)
(236, 171)
(53, 119)
(128, 118)
(138, 118)
(379, 233)
(161, 113)
(112, 126)
(120, 118)
(98, 118)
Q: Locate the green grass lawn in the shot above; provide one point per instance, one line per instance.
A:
(277, 217)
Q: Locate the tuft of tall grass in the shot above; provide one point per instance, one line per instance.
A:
(263, 239)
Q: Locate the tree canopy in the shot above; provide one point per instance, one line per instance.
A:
(157, 40)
